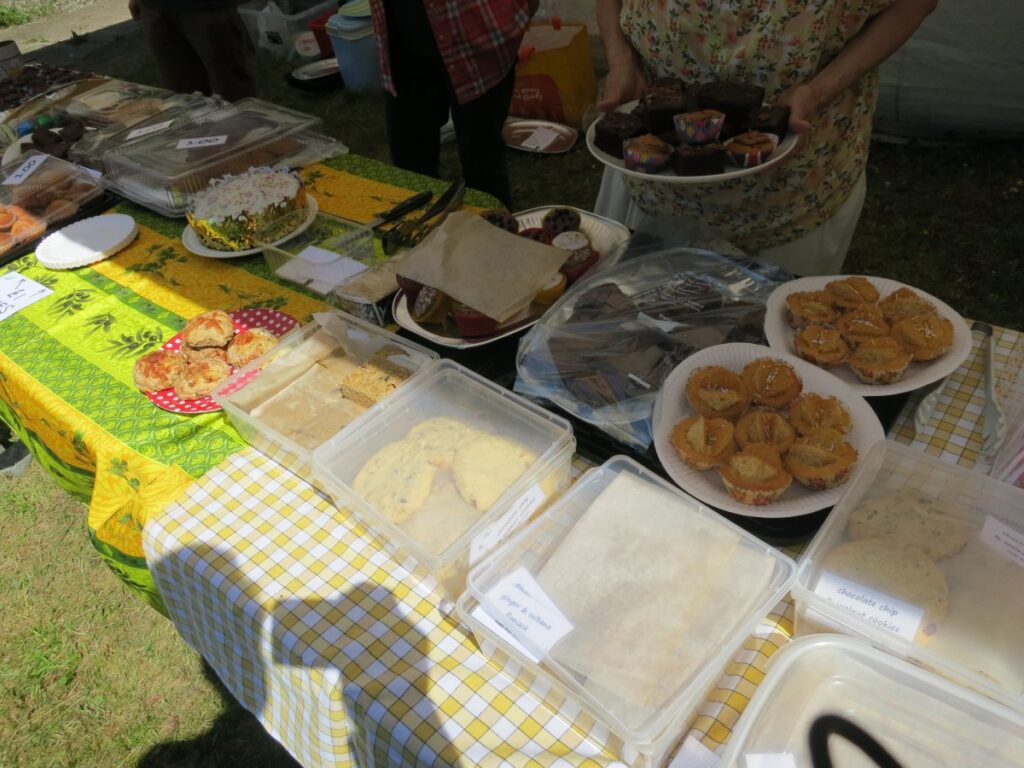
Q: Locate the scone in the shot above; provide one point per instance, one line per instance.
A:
(755, 475)
(812, 412)
(716, 393)
(210, 329)
(771, 382)
(486, 467)
(822, 346)
(852, 292)
(879, 361)
(250, 344)
(768, 427)
(703, 443)
(200, 377)
(925, 337)
(396, 480)
(810, 307)
(896, 568)
(821, 460)
(204, 353)
(157, 370)
(937, 527)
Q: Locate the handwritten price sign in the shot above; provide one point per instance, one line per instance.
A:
(202, 141)
(25, 170)
(138, 133)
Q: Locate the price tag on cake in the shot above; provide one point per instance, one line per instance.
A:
(140, 132)
(25, 170)
(203, 141)
(540, 139)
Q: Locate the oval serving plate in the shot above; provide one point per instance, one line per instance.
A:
(668, 177)
(608, 237)
(780, 336)
(193, 244)
(671, 407)
(539, 136)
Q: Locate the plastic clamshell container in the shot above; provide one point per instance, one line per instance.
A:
(973, 533)
(287, 402)
(920, 718)
(116, 101)
(447, 533)
(38, 191)
(649, 594)
(333, 258)
(164, 170)
(89, 150)
(273, 30)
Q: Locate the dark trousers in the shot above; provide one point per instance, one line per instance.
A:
(205, 50)
(415, 117)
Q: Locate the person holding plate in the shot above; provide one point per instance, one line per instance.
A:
(820, 59)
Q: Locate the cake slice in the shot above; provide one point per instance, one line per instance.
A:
(375, 379)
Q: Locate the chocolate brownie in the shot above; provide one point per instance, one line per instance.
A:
(698, 159)
(737, 100)
(770, 120)
(613, 129)
(661, 103)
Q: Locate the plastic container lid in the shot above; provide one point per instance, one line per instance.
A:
(339, 25)
(355, 8)
(115, 101)
(921, 719)
(293, 399)
(162, 170)
(925, 559)
(645, 594)
(442, 458)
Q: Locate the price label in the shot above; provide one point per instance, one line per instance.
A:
(498, 531)
(522, 607)
(140, 132)
(203, 141)
(25, 170)
(1007, 541)
(540, 139)
(17, 292)
(877, 608)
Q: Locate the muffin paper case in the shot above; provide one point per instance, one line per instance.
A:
(746, 159)
(646, 154)
(699, 127)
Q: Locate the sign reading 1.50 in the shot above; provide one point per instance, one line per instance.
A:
(202, 141)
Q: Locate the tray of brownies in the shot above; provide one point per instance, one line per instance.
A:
(693, 134)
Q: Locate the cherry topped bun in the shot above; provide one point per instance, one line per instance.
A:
(501, 219)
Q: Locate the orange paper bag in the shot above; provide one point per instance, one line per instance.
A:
(555, 76)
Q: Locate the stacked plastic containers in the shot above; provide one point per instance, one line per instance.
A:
(624, 602)
(447, 468)
(306, 389)
(334, 258)
(926, 560)
(163, 170)
(918, 718)
(115, 101)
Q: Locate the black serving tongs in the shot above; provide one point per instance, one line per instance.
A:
(408, 233)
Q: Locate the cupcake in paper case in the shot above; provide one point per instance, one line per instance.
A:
(646, 153)
(699, 127)
(751, 148)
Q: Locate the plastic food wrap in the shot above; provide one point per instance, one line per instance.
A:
(603, 350)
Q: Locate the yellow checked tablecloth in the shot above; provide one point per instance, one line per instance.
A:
(343, 654)
(66, 361)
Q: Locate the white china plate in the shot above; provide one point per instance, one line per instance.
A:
(606, 236)
(669, 177)
(780, 336)
(191, 240)
(671, 407)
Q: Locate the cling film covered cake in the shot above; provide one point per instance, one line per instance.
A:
(231, 210)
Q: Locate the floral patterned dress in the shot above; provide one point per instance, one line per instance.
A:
(776, 44)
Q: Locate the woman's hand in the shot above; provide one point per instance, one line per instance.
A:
(804, 103)
(625, 82)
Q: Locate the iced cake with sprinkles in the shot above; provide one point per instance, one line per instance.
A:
(227, 215)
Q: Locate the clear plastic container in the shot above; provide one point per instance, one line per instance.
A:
(630, 598)
(447, 468)
(89, 150)
(38, 191)
(920, 719)
(925, 559)
(163, 170)
(293, 399)
(275, 27)
(335, 259)
(115, 101)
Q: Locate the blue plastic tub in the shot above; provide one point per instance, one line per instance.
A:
(355, 47)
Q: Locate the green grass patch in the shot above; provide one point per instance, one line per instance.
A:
(23, 13)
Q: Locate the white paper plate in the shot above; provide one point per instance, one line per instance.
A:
(191, 240)
(669, 177)
(86, 241)
(606, 236)
(671, 407)
(780, 336)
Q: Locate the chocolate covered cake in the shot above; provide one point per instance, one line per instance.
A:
(613, 129)
(770, 120)
(737, 100)
(698, 159)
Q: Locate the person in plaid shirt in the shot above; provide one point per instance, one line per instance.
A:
(437, 56)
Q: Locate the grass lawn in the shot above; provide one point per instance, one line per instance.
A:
(91, 677)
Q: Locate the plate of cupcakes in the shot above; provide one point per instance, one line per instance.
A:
(761, 434)
(879, 336)
(693, 134)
